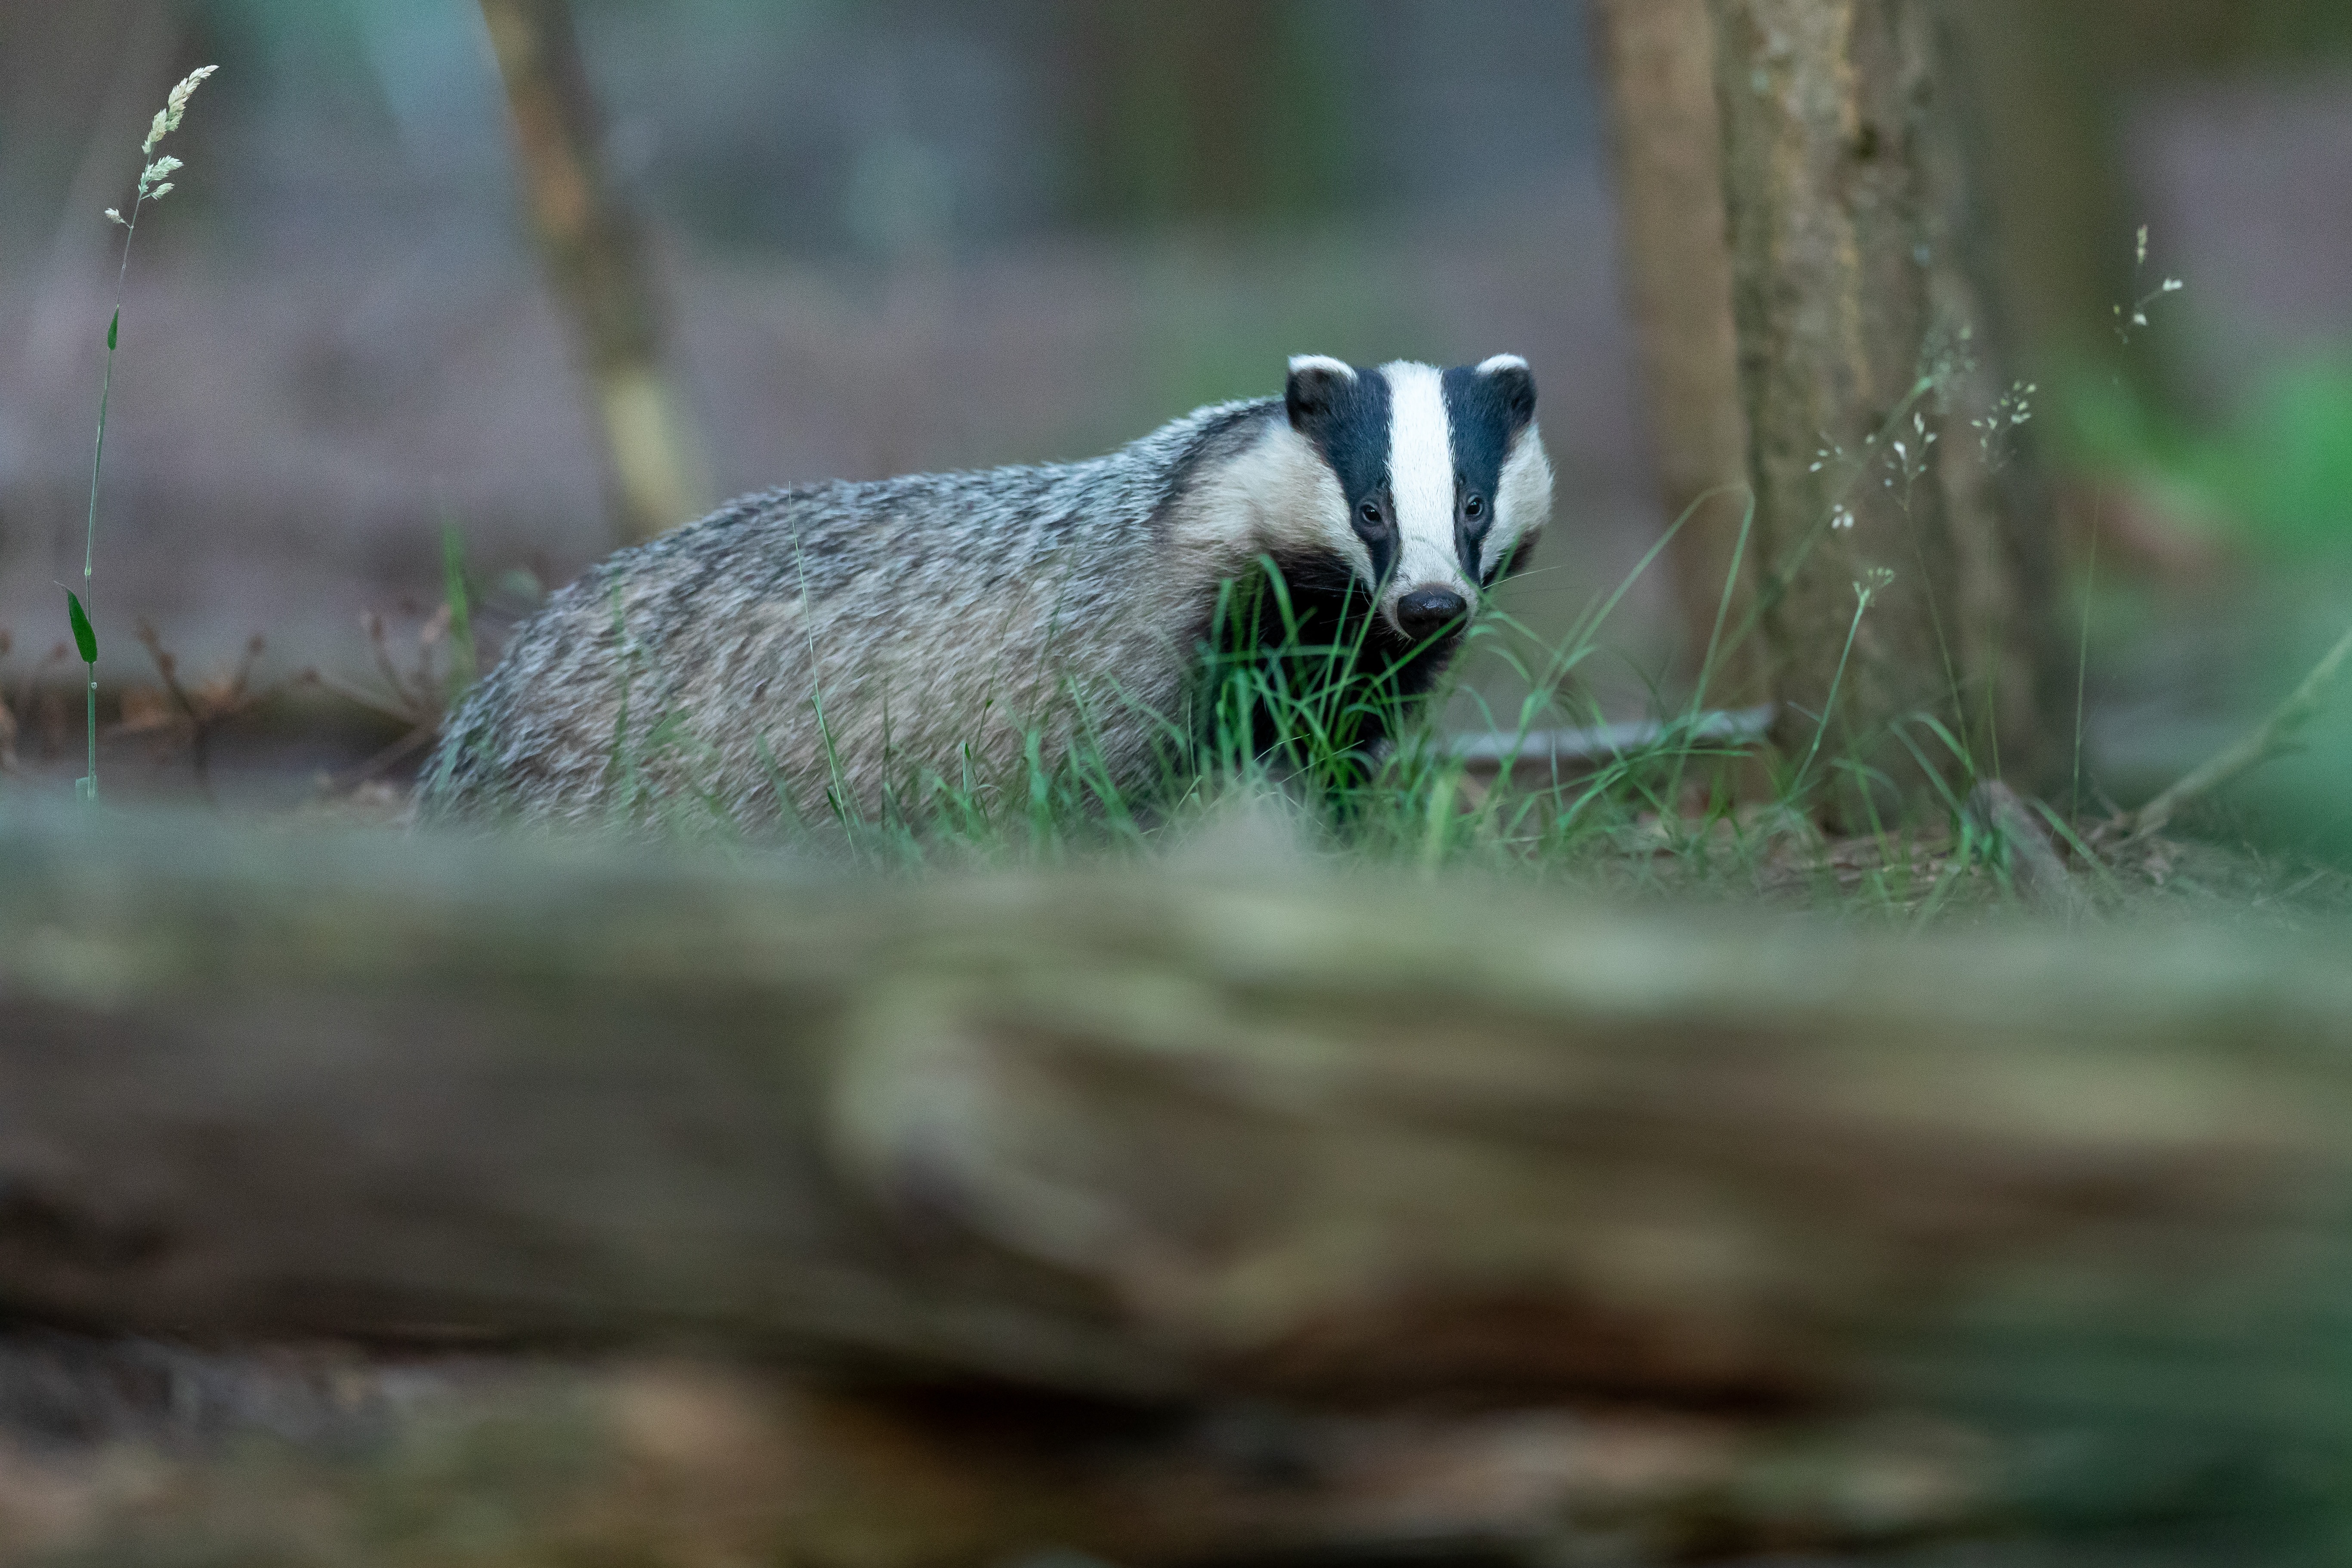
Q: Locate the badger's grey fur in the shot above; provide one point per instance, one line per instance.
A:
(858, 638)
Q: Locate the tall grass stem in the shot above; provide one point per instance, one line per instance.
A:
(154, 184)
(1862, 592)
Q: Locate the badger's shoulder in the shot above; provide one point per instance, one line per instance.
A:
(1190, 474)
(1218, 431)
(1249, 483)
(1146, 470)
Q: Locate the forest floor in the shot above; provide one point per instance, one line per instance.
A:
(319, 763)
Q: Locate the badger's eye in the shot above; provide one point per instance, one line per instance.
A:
(1474, 508)
(1369, 512)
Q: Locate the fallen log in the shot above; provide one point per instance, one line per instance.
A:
(1153, 1138)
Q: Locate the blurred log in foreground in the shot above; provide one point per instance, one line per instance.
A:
(1135, 1142)
(334, 1460)
(599, 265)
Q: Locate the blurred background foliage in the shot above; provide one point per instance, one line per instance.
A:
(907, 233)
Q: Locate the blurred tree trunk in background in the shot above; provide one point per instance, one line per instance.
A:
(130, 52)
(1867, 348)
(1214, 109)
(599, 264)
(1666, 141)
(2054, 77)
(2054, 177)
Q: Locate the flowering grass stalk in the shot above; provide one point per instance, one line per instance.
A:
(154, 184)
(1873, 581)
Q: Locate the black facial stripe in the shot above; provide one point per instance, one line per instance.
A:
(1483, 416)
(1351, 431)
(1470, 538)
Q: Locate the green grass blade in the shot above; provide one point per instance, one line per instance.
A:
(85, 636)
(464, 659)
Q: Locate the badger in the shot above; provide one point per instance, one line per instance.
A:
(830, 647)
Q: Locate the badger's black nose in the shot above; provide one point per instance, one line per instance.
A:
(1425, 612)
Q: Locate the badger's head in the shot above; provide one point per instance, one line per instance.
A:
(1442, 477)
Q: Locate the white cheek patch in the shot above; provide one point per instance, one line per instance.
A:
(1297, 498)
(1421, 478)
(1522, 500)
(1280, 496)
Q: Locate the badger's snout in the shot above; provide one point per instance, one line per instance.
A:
(1426, 612)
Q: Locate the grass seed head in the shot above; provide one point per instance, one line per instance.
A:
(175, 106)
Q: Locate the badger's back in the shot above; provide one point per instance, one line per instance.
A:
(855, 638)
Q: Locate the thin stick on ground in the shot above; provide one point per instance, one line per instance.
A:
(2274, 738)
(7, 717)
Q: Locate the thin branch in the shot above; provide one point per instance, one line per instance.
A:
(2275, 737)
(415, 739)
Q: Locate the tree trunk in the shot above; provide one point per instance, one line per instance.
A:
(598, 263)
(1668, 143)
(1901, 555)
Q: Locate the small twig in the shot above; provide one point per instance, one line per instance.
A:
(380, 645)
(423, 735)
(7, 718)
(28, 691)
(2274, 737)
(213, 703)
(167, 668)
(428, 674)
(254, 647)
(404, 712)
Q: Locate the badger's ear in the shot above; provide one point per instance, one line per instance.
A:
(1513, 384)
(1317, 382)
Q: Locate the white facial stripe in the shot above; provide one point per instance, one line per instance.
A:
(1522, 499)
(1421, 476)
